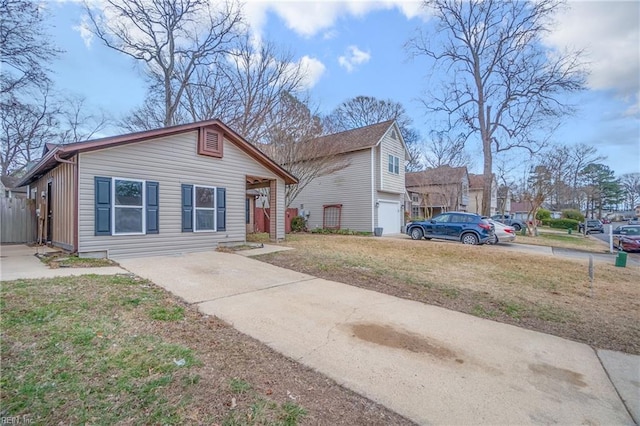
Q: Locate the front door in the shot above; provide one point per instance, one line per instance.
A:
(49, 213)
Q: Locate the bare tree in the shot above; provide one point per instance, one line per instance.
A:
(293, 143)
(630, 183)
(77, 122)
(172, 38)
(445, 150)
(245, 88)
(25, 48)
(502, 83)
(25, 128)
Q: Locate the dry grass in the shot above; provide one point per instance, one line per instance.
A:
(119, 350)
(539, 292)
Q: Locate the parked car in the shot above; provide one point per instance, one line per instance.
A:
(508, 219)
(593, 225)
(468, 228)
(627, 237)
(634, 221)
(502, 233)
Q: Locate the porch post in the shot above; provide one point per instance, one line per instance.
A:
(273, 210)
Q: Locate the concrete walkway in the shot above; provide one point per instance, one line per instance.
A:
(20, 262)
(429, 364)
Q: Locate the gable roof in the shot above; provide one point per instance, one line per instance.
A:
(443, 175)
(476, 181)
(354, 139)
(350, 140)
(56, 154)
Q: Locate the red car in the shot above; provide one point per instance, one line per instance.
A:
(627, 237)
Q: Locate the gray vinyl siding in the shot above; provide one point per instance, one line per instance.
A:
(390, 182)
(350, 187)
(171, 161)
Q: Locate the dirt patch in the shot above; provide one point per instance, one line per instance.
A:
(391, 337)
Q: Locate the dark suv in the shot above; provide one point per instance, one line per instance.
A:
(593, 225)
(468, 228)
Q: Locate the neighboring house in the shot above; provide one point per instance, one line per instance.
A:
(368, 192)
(637, 211)
(10, 189)
(504, 199)
(433, 191)
(476, 194)
(171, 190)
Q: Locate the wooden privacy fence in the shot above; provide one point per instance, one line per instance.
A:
(18, 222)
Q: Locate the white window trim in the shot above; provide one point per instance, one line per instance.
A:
(214, 209)
(393, 164)
(114, 206)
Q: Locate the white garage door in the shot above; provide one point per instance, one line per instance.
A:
(389, 217)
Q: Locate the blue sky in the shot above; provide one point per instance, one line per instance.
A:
(356, 48)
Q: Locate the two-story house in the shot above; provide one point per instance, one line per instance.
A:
(367, 193)
(476, 194)
(438, 190)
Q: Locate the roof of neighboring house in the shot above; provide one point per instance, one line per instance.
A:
(349, 140)
(520, 206)
(476, 181)
(11, 183)
(53, 154)
(443, 175)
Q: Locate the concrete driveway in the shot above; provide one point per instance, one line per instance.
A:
(429, 364)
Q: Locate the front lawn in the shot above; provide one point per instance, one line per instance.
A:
(539, 292)
(119, 350)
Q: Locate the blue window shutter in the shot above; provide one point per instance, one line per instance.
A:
(187, 208)
(221, 209)
(153, 215)
(102, 191)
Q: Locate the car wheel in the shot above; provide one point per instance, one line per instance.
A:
(416, 234)
(517, 227)
(493, 240)
(469, 238)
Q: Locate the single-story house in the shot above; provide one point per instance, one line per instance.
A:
(368, 192)
(437, 190)
(171, 190)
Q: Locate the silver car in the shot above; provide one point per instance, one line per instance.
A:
(502, 234)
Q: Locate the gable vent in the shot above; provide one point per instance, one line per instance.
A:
(210, 143)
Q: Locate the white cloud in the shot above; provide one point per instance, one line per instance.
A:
(313, 70)
(308, 18)
(609, 32)
(84, 31)
(354, 57)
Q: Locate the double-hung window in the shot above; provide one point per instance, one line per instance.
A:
(394, 164)
(203, 208)
(204, 200)
(125, 206)
(128, 206)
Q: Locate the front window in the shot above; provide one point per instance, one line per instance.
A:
(394, 164)
(205, 208)
(128, 207)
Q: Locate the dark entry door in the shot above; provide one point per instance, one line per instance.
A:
(49, 213)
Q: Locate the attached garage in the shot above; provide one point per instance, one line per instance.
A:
(389, 218)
